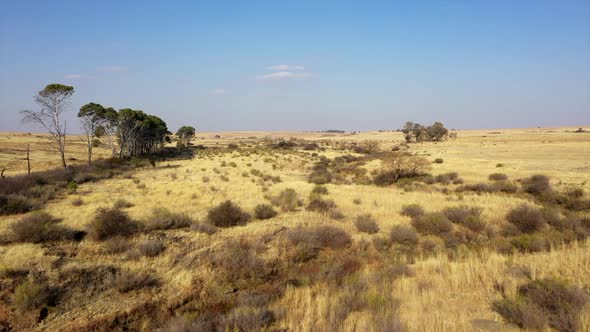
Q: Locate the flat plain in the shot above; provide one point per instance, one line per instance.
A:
(251, 276)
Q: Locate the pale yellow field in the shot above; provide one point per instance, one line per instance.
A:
(444, 294)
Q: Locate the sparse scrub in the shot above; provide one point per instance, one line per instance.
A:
(29, 295)
(287, 200)
(205, 228)
(227, 214)
(150, 248)
(404, 234)
(319, 189)
(536, 185)
(498, 177)
(127, 280)
(121, 203)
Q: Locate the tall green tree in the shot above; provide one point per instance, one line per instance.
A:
(185, 134)
(108, 127)
(53, 101)
(91, 116)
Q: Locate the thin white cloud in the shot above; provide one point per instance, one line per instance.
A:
(219, 92)
(73, 77)
(284, 75)
(285, 67)
(112, 69)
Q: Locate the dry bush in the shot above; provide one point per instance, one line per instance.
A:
(477, 187)
(505, 187)
(308, 242)
(498, 177)
(401, 166)
(126, 280)
(466, 216)
(121, 203)
(287, 200)
(527, 218)
(39, 227)
(246, 318)
(28, 296)
(202, 227)
(434, 223)
(117, 244)
(366, 223)
(446, 178)
(412, 210)
(238, 264)
(404, 234)
(227, 214)
(264, 211)
(542, 302)
(320, 174)
(13, 204)
(575, 192)
(150, 248)
(336, 270)
(319, 189)
(537, 185)
(438, 161)
(162, 219)
(77, 202)
(318, 204)
(111, 222)
(529, 243)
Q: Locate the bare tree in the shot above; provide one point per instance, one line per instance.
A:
(53, 101)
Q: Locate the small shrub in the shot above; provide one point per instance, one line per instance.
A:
(505, 187)
(544, 302)
(72, 187)
(498, 177)
(357, 201)
(77, 202)
(238, 264)
(162, 219)
(117, 245)
(126, 280)
(529, 243)
(319, 189)
(111, 222)
(412, 210)
(121, 203)
(499, 165)
(28, 296)
(432, 223)
(39, 227)
(287, 200)
(307, 242)
(204, 228)
(404, 234)
(150, 248)
(537, 185)
(14, 205)
(366, 223)
(438, 161)
(318, 204)
(264, 211)
(469, 217)
(205, 179)
(227, 214)
(528, 219)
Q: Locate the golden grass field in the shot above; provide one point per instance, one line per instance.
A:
(442, 294)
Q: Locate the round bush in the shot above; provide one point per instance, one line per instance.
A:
(264, 211)
(227, 214)
(528, 219)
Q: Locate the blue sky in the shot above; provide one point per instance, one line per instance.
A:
(304, 65)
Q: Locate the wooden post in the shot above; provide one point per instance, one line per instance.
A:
(28, 159)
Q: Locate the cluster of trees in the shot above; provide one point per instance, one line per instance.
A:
(416, 132)
(135, 132)
(185, 134)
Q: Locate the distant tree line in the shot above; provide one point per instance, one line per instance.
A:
(415, 132)
(135, 132)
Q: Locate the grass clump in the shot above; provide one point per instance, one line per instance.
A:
(466, 216)
(12, 204)
(308, 242)
(319, 189)
(264, 211)
(202, 227)
(227, 214)
(39, 227)
(121, 203)
(544, 302)
(537, 185)
(108, 223)
(365, 223)
(162, 219)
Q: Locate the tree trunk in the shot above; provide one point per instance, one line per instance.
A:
(28, 159)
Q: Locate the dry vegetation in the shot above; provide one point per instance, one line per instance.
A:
(314, 232)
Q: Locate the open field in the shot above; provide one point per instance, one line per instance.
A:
(442, 282)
